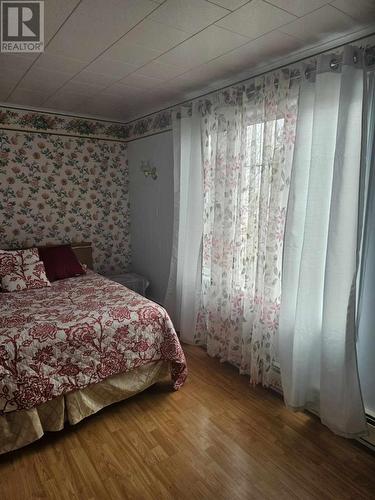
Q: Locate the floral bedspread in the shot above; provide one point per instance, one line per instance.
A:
(76, 333)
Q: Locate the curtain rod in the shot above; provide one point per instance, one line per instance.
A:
(187, 101)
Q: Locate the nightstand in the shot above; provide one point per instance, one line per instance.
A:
(134, 281)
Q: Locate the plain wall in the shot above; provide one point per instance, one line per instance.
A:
(151, 208)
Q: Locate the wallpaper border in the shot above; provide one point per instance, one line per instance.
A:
(25, 120)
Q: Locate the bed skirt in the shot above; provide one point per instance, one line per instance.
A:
(20, 428)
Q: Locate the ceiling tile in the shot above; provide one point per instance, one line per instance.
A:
(85, 89)
(198, 77)
(96, 24)
(322, 24)
(104, 109)
(76, 37)
(252, 58)
(192, 81)
(132, 115)
(6, 87)
(361, 10)
(95, 78)
(230, 4)
(13, 68)
(27, 97)
(131, 53)
(8, 83)
(195, 93)
(12, 75)
(161, 71)
(119, 13)
(65, 101)
(265, 48)
(155, 36)
(15, 62)
(255, 19)
(54, 62)
(111, 105)
(104, 104)
(206, 45)
(55, 13)
(121, 91)
(140, 81)
(299, 7)
(188, 15)
(120, 115)
(44, 80)
(108, 60)
(110, 67)
(148, 104)
(246, 57)
(163, 92)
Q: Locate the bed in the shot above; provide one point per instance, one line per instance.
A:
(71, 349)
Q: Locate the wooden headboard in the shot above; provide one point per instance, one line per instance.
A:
(83, 252)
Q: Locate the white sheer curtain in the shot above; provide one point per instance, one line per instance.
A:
(247, 148)
(366, 283)
(317, 319)
(183, 291)
(239, 155)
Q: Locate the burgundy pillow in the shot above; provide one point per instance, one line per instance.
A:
(60, 262)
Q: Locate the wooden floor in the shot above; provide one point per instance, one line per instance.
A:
(216, 438)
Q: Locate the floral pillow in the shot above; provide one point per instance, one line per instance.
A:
(9, 259)
(25, 277)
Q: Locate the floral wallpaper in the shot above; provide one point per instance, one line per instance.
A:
(70, 187)
(12, 118)
(56, 189)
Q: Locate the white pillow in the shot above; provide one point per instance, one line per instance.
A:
(11, 258)
(26, 277)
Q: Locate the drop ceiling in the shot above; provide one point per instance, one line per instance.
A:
(120, 59)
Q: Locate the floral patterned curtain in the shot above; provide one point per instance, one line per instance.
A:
(247, 148)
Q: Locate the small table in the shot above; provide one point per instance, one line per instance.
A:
(134, 281)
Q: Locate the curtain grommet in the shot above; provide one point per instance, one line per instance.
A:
(334, 64)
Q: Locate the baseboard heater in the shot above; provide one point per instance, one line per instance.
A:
(370, 439)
